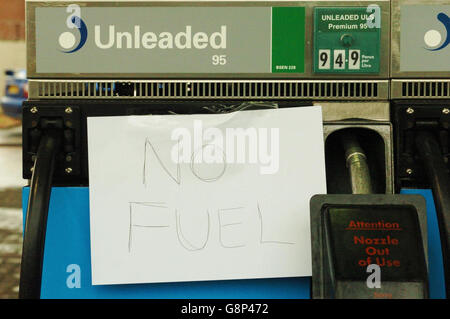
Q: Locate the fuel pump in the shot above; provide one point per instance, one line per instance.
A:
(420, 91)
(82, 63)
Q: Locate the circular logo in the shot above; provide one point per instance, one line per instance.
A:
(67, 40)
(432, 38)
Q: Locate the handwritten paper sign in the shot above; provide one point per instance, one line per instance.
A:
(203, 197)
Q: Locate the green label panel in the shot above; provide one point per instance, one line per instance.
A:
(347, 40)
(288, 39)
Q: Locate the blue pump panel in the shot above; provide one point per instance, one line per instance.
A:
(67, 250)
(435, 262)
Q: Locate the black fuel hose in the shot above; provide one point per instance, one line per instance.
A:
(438, 176)
(36, 220)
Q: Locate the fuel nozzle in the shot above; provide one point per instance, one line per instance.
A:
(355, 234)
(357, 164)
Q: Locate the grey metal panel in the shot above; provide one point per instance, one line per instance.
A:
(208, 89)
(396, 34)
(345, 110)
(309, 5)
(420, 89)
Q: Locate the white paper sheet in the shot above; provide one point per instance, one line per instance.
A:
(161, 210)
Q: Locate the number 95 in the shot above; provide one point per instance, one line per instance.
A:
(219, 59)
